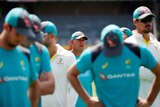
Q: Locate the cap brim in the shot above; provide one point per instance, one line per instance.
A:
(39, 37)
(145, 15)
(26, 31)
(82, 36)
(113, 52)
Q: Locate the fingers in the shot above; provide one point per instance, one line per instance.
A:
(101, 104)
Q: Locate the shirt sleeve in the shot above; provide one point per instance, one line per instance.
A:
(84, 62)
(45, 60)
(33, 73)
(147, 58)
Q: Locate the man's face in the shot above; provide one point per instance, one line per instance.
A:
(144, 25)
(13, 38)
(78, 44)
(49, 39)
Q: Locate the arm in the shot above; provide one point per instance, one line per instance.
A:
(34, 93)
(154, 89)
(47, 83)
(72, 74)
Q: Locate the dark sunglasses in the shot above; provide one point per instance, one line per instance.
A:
(147, 19)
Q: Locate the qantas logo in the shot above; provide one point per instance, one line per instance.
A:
(116, 76)
(103, 77)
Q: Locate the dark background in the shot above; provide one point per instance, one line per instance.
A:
(88, 16)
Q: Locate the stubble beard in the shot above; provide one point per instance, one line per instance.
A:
(148, 29)
(9, 43)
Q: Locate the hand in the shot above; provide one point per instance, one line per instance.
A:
(43, 76)
(143, 103)
(94, 102)
(1, 80)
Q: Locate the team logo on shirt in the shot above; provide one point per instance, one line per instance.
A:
(22, 64)
(1, 64)
(60, 61)
(37, 59)
(103, 77)
(127, 61)
(105, 65)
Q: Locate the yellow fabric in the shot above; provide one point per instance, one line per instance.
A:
(94, 90)
(53, 57)
(146, 42)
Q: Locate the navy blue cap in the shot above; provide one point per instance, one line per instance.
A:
(112, 40)
(19, 19)
(36, 27)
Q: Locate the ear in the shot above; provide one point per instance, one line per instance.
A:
(52, 36)
(134, 21)
(71, 41)
(6, 26)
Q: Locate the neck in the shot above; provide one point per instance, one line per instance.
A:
(76, 52)
(3, 42)
(52, 50)
(146, 37)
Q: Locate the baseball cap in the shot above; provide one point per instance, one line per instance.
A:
(78, 35)
(19, 19)
(49, 28)
(36, 27)
(126, 31)
(111, 37)
(142, 12)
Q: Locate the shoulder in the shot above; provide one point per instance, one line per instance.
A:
(44, 49)
(152, 36)
(130, 39)
(64, 52)
(95, 51)
(24, 51)
(136, 49)
(68, 53)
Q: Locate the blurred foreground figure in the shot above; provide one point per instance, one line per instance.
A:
(115, 69)
(17, 70)
(41, 58)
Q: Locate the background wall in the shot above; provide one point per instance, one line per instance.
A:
(88, 16)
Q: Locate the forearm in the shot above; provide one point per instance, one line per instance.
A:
(47, 83)
(34, 93)
(46, 87)
(154, 90)
(77, 86)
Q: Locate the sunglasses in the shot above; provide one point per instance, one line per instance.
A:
(147, 19)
